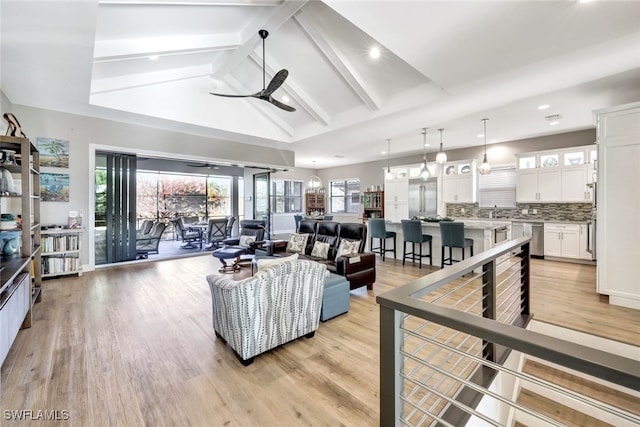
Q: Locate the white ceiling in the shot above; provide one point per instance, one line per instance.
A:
(444, 64)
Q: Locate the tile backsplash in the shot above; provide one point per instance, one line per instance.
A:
(544, 211)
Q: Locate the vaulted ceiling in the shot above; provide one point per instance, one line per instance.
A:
(442, 64)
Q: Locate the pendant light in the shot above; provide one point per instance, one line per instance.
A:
(388, 175)
(441, 157)
(314, 182)
(424, 169)
(485, 167)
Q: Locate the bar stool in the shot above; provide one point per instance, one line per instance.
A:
(412, 232)
(378, 230)
(452, 234)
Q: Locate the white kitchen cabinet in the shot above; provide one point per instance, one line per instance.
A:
(584, 242)
(538, 185)
(574, 184)
(556, 175)
(396, 195)
(459, 182)
(618, 228)
(562, 240)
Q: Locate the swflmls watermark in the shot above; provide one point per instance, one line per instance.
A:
(36, 415)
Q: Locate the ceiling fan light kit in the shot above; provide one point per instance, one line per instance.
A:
(274, 84)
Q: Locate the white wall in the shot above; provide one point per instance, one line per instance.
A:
(86, 134)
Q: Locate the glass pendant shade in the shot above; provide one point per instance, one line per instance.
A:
(313, 183)
(441, 157)
(485, 167)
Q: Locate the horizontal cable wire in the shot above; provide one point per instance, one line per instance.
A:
(454, 402)
(542, 383)
(487, 392)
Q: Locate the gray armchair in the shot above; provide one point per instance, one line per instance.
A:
(148, 244)
(279, 304)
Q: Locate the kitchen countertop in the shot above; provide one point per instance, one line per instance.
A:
(509, 220)
(469, 223)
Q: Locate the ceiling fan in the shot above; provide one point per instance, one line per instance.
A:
(203, 165)
(274, 84)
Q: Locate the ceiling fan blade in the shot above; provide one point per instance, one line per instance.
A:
(231, 96)
(275, 82)
(281, 105)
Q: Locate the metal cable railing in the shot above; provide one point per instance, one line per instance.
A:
(446, 340)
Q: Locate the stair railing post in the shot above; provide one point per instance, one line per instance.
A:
(390, 366)
(489, 304)
(525, 262)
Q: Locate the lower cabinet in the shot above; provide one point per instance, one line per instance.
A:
(566, 241)
(584, 242)
(15, 304)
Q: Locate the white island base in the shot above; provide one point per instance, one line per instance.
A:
(482, 232)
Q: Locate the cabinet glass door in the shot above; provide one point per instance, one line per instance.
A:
(549, 160)
(574, 158)
(527, 162)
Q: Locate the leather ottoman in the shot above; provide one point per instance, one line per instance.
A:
(336, 298)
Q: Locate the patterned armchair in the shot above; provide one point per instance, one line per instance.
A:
(292, 291)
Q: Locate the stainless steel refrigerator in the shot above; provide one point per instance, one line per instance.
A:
(423, 197)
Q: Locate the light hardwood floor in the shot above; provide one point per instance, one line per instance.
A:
(134, 345)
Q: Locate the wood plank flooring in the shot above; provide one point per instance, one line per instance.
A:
(134, 345)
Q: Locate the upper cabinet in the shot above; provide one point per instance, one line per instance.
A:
(459, 182)
(556, 175)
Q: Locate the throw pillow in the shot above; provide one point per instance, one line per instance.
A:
(246, 241)
(297, 242)
(347, 247)
(320, 250)
(268, 262)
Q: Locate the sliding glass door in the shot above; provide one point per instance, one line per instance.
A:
(115, 218)
(261, 197)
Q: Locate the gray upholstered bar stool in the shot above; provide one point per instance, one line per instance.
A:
(452, 234)
(378, 230)
(412, 232)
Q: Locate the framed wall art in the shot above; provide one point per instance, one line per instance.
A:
(54, 153)
(54, 187)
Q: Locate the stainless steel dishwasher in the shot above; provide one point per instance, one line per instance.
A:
(535, 230)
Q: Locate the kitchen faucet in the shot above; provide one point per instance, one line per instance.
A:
(494, 212)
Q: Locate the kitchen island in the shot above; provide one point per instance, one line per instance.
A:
(482, 232)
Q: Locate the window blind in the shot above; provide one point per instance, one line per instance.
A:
(498, 188)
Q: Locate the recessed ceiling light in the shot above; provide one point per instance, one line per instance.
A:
(553, 123)
(383, 152)
(374, 53)
(285, 98)
(480, 135)
(426, 145)
(543, 106)
(154, 57)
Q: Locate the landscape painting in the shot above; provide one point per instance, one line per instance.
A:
(54, 187)
(53, 152)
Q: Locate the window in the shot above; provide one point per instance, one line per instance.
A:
(218, 196)
(286, 196)
(345, 196)
(498, 188)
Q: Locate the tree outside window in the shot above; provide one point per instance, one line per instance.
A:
(345, 196)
